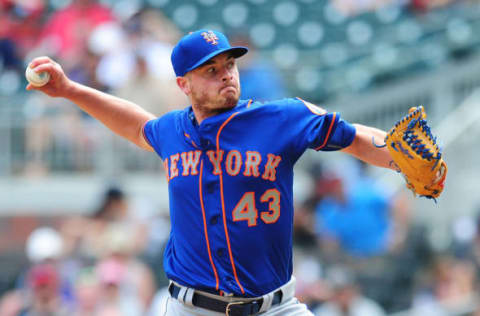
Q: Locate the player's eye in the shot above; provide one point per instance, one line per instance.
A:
(230, 64)
(211, 70)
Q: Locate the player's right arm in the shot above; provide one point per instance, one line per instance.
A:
(121, 116)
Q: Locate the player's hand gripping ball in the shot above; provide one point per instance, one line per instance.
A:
(37, 79)
(416, 154)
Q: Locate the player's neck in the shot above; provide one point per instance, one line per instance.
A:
(201, 112)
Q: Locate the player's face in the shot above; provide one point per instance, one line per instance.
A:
(215, 86)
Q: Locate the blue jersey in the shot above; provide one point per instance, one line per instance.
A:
(230, 182)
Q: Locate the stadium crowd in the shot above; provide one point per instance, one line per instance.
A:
(358, 249)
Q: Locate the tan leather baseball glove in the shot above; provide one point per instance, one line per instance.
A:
(416, 154)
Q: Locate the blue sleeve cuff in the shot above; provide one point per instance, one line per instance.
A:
(342, 137)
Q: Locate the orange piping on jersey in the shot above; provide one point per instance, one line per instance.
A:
(329, 131)
(194, 145)
(223, 206)
(249, 103)
(191, 140)
(205, 225)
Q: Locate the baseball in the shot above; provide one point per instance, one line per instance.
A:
(37, 79)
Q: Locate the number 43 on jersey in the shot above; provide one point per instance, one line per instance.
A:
(246, 210)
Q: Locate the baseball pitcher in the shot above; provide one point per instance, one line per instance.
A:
(229, 166)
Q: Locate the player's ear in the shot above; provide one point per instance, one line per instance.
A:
(184, 85)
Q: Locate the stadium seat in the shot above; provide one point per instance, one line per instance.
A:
(286, 13)
(185, 16)
(235, 14)
(263, 35)
(310, 34)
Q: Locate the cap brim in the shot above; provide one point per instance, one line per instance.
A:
(237, 51)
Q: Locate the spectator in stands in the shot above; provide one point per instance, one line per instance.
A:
(20, 27)
(45, 245)
(466, 238)
(356, 218)
(9, 58)
(152, 82)
(44, 283)
(82, 234)
(311, 289)
(67, 30)
(309, 264)
(390, 278)
(131, 278)
(346, 297)
(86, 293)
(114, 295)
(113, 207)
(409, 255)
(451, 285)
(303, 226)
(85, 71)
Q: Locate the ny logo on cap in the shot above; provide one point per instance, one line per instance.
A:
(210, 37)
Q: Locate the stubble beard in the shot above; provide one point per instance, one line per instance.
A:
(203, 104)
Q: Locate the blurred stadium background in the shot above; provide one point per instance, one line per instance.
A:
(370, 60)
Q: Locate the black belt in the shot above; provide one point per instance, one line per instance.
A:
(229, 309)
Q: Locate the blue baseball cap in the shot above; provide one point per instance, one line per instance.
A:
(194, 49)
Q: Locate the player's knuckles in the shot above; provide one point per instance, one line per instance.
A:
(58, 68)
(42, 68)
(40, 60)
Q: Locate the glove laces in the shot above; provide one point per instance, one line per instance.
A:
(415, 142)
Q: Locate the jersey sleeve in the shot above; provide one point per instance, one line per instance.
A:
(155, 132)
(316, 128)
(342, 137)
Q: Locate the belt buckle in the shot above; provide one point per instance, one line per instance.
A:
(233, 305)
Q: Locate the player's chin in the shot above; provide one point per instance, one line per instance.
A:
(230, 98)
(231, 101)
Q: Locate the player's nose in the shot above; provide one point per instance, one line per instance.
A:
(227, 75)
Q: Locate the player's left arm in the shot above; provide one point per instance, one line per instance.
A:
(363, 148)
